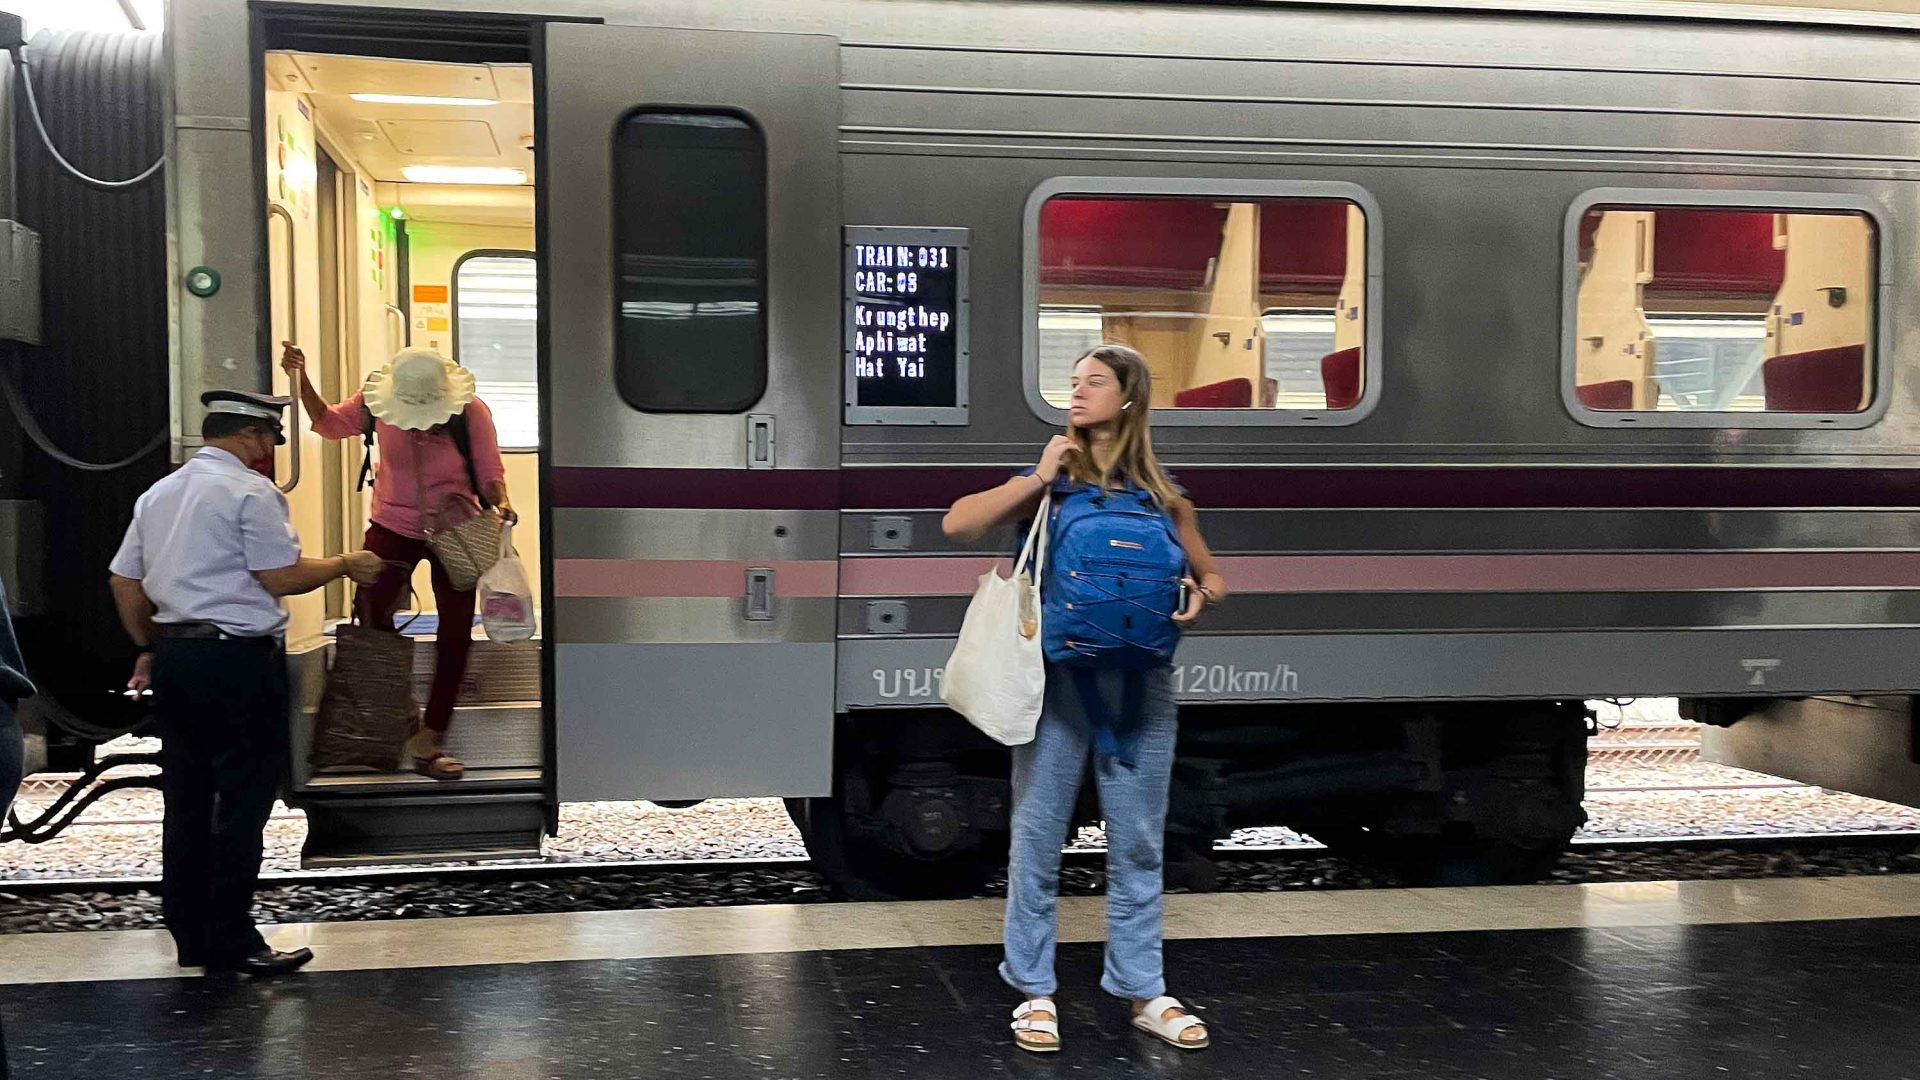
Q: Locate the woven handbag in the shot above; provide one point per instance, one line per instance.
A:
(467, 550)
(368, 711)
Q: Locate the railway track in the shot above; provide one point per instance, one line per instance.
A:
(548, 870)
(154, 820)
(1645, 779)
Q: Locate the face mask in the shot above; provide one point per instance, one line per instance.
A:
(264, 463)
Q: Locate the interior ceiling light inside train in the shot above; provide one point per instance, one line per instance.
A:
(418, 99)
(462, 174)
(459, 135)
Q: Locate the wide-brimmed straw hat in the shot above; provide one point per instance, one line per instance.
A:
(418, 389)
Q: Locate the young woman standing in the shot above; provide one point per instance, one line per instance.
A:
(1107, 445)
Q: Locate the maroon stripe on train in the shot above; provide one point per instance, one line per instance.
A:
(696, 489)
(1240, 487)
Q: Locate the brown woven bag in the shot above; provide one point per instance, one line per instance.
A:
(467, 550)
(368, 711)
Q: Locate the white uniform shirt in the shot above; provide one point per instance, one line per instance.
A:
(196, 539)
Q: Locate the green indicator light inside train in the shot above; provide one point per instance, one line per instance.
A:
(203, 281)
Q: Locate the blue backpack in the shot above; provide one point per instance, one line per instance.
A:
(1108, 597)
(1112, 581)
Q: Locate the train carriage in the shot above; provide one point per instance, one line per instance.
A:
(1517, 355)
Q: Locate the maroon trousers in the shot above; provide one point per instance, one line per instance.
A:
(455, 639)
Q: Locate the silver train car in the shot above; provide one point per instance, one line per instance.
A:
(1517, 354)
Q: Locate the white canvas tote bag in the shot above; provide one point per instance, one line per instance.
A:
(997, 676)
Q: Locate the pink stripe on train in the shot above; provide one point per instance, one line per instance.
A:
(957, 576)
(629, 578)
(932, 576)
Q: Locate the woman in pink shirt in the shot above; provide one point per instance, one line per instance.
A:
(423, 481)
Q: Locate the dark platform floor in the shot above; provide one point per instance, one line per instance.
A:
(1750, 1000)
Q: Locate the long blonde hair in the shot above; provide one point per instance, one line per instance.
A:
(1132, 456)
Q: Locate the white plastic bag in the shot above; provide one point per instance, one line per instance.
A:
(997, 675)
(506, 597)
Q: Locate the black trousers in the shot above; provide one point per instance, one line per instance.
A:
(223, 728)
(10, 753)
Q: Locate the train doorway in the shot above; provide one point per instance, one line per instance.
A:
(399, 193)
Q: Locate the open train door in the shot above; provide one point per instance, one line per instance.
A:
(689, 214)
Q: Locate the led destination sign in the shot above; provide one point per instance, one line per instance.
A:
(906, 325)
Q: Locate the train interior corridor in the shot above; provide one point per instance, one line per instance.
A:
(401, 214)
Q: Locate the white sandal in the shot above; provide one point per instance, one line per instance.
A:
(1153, 1020)
(1023, 1027)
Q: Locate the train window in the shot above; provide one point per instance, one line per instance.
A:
(690, 234)
(1701, 312)
(1249, 301)
(495, 336)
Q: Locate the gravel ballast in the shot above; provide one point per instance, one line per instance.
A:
(442, 896)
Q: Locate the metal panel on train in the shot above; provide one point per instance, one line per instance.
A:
(1456, 523)
(693, 554)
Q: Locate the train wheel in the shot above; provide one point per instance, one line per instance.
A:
(859, 867)
(1190, 864)
(1475, 860)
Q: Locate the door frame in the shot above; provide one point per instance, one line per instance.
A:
(423, 34)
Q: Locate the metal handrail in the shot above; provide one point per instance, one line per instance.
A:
(275, 210)
(405, 331)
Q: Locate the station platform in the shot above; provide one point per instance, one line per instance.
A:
(1768, 978)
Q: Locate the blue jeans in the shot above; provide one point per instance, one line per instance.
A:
(1133, 801)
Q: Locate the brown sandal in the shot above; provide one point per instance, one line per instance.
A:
(439, 767)
(435, 764)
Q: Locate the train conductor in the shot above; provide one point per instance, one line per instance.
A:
(198, 583)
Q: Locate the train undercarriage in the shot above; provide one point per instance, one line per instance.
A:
(1441, 792)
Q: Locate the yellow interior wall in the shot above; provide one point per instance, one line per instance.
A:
(291, 171)
(1167, 345)
(292, 148)
(1823, 250)
(1229, 342)
(433, 247)
(1350, 319)
(374, 333)
(1165, 340)
(1611, 335)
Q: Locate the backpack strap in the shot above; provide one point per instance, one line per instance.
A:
(463, 442)
(1112, 736)
(366, 457)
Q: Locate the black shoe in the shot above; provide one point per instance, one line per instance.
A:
(189, 953)
(267, 962)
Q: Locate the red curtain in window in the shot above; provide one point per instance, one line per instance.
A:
(1166, 243)
(1726, 253)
